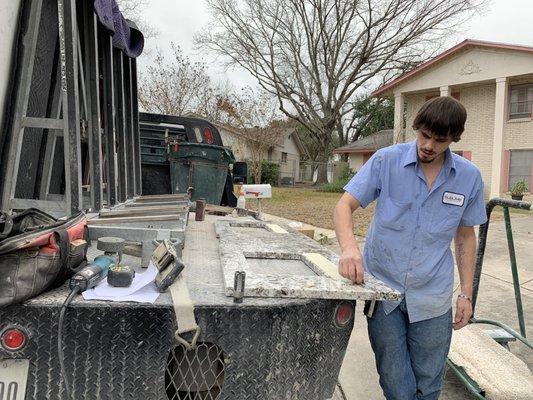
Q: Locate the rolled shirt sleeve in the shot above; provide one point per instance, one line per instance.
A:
(365, 185)
(475, 212)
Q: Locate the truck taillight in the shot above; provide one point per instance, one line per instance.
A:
(208, 136)
(343, 314)
(13, 339)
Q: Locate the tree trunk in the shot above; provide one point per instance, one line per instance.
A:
(257, 173)
(323, 157)
(324, 152)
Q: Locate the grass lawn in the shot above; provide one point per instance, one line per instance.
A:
(312, 207)
(307, 205)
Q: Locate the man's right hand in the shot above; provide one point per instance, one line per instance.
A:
(351, 265)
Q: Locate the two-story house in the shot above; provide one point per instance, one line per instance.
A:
(494, 81)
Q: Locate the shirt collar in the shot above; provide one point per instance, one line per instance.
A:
(411, 157)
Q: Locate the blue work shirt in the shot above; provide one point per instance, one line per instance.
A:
(408, 244)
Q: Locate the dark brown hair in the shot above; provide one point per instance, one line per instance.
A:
(443, 117)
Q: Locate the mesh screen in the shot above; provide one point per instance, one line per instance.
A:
(196, 374)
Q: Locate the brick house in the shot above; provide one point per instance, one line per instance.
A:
(494, 82)
(361, 150)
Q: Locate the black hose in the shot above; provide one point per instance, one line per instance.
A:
(73, 293)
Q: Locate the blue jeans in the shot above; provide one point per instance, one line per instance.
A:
(410, 357)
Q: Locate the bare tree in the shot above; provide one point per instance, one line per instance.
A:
(315, 55)
(173, 87)
(133, 10)
(215, 101)
(256, 116)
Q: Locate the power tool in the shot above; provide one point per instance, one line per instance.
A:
(85, 279)
(96, 271)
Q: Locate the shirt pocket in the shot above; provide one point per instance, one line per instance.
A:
(393, 214)
(445, 220)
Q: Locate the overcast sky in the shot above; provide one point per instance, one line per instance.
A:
(508, 21)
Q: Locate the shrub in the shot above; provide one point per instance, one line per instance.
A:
(346, 174)
(338, 186)
(269, 173)
(519, 188)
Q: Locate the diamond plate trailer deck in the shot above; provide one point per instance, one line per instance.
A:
(265, 348)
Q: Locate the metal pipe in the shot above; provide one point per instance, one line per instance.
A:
(505, 328)
(514, 270)
(482, 241)
(466, 380)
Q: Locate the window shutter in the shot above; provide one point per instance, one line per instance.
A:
(506, 170)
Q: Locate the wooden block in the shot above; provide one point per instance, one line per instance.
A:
(330, 269)
(308, 232)
(276, 228)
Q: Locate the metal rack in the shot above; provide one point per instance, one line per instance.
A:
(88, 107)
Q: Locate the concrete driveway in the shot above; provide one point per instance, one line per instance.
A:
(358, 377)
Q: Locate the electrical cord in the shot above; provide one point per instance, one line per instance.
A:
(75, 290)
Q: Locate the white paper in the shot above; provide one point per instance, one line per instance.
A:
(147, 294)
(141, 289)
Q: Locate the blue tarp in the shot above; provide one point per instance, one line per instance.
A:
(126, 35)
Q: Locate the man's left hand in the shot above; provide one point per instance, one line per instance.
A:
(463, 313)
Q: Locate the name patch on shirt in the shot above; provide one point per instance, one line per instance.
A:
(455, 199)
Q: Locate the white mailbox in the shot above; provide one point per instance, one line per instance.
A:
(257, 191)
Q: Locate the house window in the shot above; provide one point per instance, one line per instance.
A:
(521, 101)
(520, 166)
(283, 158)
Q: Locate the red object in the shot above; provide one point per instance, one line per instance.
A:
(467, 155)
(13, 339)
(506, 167)
(208, 135)
(343, 314)
(176, 147)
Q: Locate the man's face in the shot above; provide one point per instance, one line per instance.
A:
(429, 147)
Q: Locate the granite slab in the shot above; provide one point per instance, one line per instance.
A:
(243, 239)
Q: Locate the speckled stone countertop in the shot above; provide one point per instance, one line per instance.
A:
(244, 239)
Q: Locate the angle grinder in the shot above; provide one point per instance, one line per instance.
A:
(85, 279)
(96, 271)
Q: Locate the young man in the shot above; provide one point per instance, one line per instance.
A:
(426, 196)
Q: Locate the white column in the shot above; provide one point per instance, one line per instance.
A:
(500, 108)
(399, 134)
(444, 91)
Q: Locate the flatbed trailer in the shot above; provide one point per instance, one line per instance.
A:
(278, 347)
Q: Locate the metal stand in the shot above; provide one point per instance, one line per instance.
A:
(84, 62)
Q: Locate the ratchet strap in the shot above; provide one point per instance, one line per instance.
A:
(184, 310)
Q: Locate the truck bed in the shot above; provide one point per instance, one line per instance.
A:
(263, 348)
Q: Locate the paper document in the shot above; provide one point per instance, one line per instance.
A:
(141, 290)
